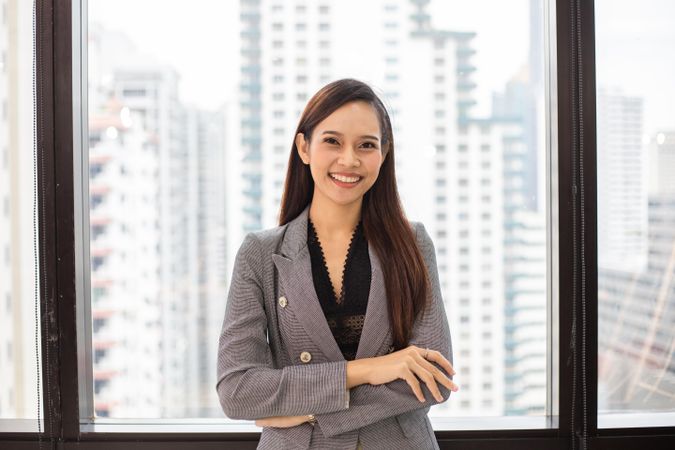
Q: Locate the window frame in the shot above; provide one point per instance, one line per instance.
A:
(572, 110)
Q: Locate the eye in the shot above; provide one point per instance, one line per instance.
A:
(330, 140)
(371, 144)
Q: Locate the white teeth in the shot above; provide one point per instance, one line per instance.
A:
(345, 179)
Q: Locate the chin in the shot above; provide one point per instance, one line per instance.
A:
(344, 201)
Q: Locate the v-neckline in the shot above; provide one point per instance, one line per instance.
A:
(325, 264)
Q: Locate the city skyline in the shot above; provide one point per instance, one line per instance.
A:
(493, 147)
(178, 177)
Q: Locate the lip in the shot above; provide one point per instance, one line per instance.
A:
(345, 185)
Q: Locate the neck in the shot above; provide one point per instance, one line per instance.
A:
(332, 220)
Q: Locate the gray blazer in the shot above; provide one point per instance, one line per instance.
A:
(277, 355)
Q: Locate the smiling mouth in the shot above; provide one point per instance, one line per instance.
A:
(346, 180)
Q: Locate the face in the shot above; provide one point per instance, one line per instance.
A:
(347, 143)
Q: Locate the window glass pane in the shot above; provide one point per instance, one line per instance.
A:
(189, 135)
(157, 103)
(636, 211)
(18, 366)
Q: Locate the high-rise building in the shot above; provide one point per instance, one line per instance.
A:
(622, 182)
(183, 197)
(449, 165)
(124, 264)
(525, 313)
(470, 245)
(18, 223)
(525, 246)
(662, 164)
(635, 309)
(636, 350)
(208, 229)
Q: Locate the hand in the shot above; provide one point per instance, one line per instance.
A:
(281, 421)
(409, 364)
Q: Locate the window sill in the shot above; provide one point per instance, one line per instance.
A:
(19, 425)
(636, 420)
(246, 426)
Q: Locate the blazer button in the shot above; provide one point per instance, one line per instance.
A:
(282, 301)
(305, 357)
(390, 349)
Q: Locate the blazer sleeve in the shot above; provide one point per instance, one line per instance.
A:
(248, 385)
(372, 403)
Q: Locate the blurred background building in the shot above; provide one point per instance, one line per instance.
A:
(174, 186)
(18, 254)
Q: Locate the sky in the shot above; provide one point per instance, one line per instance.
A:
(199, 38)
(210, 28)
(634, 51)
(502, 39)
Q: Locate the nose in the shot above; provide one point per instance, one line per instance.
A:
(348, 156)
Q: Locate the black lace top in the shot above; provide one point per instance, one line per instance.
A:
(345, 313)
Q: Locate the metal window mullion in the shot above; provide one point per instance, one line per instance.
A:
(65, 307)
(47, 223)
(81, 208)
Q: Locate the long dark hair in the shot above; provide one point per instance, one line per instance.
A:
(384, 223)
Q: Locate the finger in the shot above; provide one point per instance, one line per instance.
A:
(437, 374)
(414, 385)
(436, 356)
(446, 381)
(428, 378)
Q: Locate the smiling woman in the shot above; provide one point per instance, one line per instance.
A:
(159, 123)
(145, 200)
(334, 151)
(350, 332)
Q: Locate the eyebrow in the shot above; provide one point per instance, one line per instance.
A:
(340, 134)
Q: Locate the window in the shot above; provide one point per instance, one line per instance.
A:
(636, 216)
(149, 254)
(20, 253)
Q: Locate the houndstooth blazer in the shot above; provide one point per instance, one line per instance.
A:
(277, 355)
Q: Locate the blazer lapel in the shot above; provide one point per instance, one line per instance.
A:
(376, 325)
(295, 271)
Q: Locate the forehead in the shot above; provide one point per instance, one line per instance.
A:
(355, 118)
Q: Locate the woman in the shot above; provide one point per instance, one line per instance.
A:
(335, 333)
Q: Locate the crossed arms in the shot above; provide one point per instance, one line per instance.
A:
(249, 388)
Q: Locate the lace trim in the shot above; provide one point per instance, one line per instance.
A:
(350, 250)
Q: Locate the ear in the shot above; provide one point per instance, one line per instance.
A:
(301, 144)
